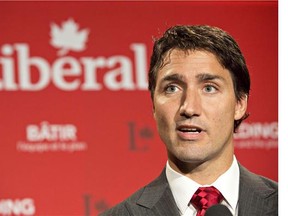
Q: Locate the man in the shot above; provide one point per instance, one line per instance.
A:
(199, 84)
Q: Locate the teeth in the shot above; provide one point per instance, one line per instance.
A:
(194, 130)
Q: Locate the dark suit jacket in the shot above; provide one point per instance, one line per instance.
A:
(258, 196)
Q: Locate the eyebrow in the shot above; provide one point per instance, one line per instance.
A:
(173, 77)
(200, 77)
(207, 77)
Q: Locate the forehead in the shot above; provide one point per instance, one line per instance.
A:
(177, 56)
(191, 63)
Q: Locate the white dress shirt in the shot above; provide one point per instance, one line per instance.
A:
(183, 189)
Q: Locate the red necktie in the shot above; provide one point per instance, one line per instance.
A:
(205, 197)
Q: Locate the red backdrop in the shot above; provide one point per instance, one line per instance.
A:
(77, 134)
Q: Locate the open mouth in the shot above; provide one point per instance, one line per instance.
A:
(185, 129)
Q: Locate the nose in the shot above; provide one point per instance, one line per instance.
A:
(190, 104)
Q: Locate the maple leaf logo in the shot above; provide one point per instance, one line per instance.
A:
(68, 37)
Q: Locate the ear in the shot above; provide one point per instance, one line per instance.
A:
(240, 108)
(153, 110)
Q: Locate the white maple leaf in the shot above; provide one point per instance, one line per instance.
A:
(68, 37)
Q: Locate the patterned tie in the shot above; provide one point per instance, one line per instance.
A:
(205, 197)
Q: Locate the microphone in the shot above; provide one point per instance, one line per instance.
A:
(218, 210)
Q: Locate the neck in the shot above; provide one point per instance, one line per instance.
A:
(203, 172)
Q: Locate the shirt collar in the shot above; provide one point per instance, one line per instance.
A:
(183, 187)
(228, 184)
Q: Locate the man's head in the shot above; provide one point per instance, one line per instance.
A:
(203, 38)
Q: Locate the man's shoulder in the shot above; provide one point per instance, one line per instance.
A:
(258, 195)
(269, 182)
(254, 180)
(124, 207)
(143, 199)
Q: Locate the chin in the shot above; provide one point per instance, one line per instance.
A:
(189, 158)
(192, 160)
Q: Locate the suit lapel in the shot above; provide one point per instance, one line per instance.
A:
(158, 198)
(254, 195)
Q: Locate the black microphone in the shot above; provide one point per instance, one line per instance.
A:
(218, 210)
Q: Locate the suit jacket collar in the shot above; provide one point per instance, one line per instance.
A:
(158, 197)
(256, 197)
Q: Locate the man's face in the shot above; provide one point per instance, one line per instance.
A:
(195, 107)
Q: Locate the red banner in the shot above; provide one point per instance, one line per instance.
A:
(77, 133)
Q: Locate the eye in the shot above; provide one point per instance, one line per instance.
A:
(210, 89)
(171, 89)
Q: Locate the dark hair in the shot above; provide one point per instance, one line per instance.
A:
(208, 38)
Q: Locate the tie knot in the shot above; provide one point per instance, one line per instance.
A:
(205, 197)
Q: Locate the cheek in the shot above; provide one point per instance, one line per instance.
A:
(164, 115)
(161, 117)
(222, 115)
